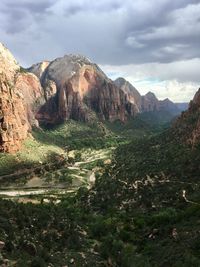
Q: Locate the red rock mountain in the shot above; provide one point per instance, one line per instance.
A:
(71, 87)
(132, 93)
(20, 95)
(77, 89)
(148, 102)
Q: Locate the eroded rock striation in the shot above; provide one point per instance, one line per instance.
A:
(20, 93)
(70, 87)
(75, 88)
(132, 93)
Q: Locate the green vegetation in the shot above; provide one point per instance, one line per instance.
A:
(144, 124)
(143, 210)
(76, 135)
(153, 191)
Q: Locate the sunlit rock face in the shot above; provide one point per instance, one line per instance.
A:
(8, 64)
(20, 96)
(74, 87)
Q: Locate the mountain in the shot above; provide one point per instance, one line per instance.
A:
(94, 194)
(20, 95)
(75, 88)
(148, 102)
(132, 93)
(168, 105)
(70, 87)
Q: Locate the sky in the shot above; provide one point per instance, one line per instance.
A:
(154, 44)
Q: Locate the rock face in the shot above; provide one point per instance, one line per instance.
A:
(19, 95)
(71, 87)
(8, 64)
(187, 127)
(148, 102)
(28, 87)
(14, 125)
(74, 88)
(132, 93)
(168, 105)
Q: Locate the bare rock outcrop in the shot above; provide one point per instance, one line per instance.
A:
(14, 125)
(148, 102)
(132, 93)
(74, 87)
(20, 94)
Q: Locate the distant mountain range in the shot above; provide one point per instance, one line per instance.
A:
(71, 87)
(149, 102)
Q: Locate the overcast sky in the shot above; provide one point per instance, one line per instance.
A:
(155, 44)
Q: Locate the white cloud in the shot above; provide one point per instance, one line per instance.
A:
(129, 38)
(177, 80)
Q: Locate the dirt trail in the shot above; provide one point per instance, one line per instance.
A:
(36, 186)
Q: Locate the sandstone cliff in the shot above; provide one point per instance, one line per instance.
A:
(132, 94)
(150, 102)
(20, 95)
(71, 87)
(74, 87)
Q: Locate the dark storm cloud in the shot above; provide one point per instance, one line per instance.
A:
(107, 31)
(19, 15)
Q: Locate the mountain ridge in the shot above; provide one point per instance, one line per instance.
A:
(149, 101)
(69, 87)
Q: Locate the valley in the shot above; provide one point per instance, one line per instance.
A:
(92, 173)
(52, 169)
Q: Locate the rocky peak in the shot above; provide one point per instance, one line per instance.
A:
(39, 68)
(167, 100)
(127, 87)
(151, 96)
(150, 102)
(168, 105)
(62, 69)
(74, 86)
(132, 93)
(8, 64)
